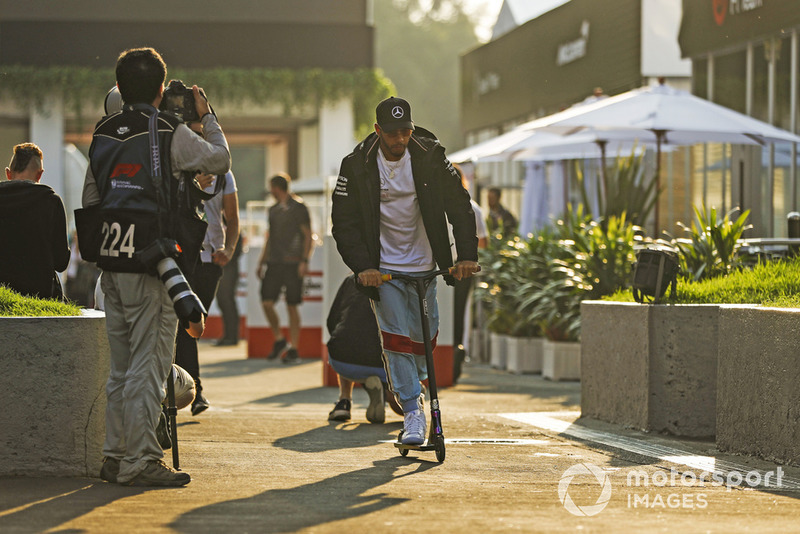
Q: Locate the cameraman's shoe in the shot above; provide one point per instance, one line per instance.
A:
(110, 469)
(157, 473)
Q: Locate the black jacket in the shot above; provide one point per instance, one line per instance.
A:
(33, 237)
(356, 205)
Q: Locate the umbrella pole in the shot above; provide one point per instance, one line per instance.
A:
(603, 171)
(659, 139)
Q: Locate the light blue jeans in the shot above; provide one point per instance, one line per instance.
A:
(400, 322)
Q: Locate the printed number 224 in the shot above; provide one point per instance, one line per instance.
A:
(114, 232)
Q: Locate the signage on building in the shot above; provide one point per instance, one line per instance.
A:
(534, 69)
(708, 26)
(724, 8)
(569, 52)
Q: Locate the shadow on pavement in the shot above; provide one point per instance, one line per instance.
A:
(337, 436)
(245, 366)
(483, 379)
(289, 510)
(25, 506)
(318, 395)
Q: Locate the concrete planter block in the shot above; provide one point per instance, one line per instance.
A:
(652, 367)
(614, 362)
(758, 383)
(498, 350)
(561, 360)
(53, 372)
(525, 355)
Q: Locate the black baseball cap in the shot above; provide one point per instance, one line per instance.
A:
(394, 113)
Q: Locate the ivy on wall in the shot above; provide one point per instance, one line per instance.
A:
(292, 89)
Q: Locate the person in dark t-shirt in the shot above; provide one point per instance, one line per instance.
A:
(284, 263)
(33, 228)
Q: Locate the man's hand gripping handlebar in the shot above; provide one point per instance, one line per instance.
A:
(460, 271)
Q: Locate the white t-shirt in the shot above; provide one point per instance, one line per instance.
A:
(404, 243)
(480, 227)
(215, 233)
(480, 222)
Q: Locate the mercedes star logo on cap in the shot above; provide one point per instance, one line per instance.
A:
(397, 112)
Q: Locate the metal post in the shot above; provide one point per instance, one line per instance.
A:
(748, 94)
(687, 162)
(793, 114)
(705, 174)
(724, 178)
(771, 52)
(710, 78)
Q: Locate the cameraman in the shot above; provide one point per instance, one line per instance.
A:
(122, 185)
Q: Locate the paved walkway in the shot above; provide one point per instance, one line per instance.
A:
(265, 459)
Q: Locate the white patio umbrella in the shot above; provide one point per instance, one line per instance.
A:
(494, 146)
(533, 145)
(662, 115)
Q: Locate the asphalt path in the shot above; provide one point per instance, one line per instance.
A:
(264, 458)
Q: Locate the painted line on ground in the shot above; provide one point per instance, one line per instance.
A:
(485, 441)
(553, 422)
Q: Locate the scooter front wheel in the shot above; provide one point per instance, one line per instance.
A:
(439, 448)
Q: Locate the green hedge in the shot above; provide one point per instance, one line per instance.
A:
(776, 283)
(12, 304)
(291, 88)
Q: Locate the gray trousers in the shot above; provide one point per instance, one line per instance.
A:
(141, 324)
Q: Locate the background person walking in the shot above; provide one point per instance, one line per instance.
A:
(284, 263)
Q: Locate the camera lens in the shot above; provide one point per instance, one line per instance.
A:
(187, 305)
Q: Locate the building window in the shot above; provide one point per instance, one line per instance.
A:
(700, 77)
(249, 166)
(730, 75)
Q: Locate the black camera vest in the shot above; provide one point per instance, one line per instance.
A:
(120, 158)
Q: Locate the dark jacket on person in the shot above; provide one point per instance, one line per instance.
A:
(33, 238)
(501, 220)
(353, 328)
(442, 197)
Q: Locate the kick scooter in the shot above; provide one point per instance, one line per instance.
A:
(435, 440)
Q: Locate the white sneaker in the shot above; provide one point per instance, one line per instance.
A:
(414, 428)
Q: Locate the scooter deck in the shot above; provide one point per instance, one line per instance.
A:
(407, 447)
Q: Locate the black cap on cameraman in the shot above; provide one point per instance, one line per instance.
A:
(394, 113)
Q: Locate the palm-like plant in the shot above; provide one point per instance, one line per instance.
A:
(712, 245)
(501, 265)
(625, 190)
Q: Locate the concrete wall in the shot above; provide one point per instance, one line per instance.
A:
(53, 372)
(651, 367)
(614, 362)
(683, 369)
(758, 385)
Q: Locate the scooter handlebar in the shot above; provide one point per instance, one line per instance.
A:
(429, 276)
